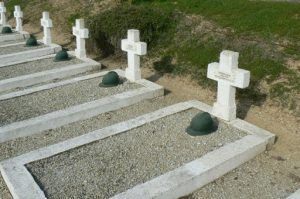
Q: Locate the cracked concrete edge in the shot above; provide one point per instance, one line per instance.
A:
(79, 112)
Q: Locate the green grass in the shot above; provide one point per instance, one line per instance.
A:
(266, 22)
(265, 18)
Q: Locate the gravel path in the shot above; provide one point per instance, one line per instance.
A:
(255, 179)
(18, 48)
(103, 170)
(34, 67)
(33, 105)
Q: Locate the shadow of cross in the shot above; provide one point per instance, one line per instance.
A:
(2, 14)
(229, 76)
(46, 22)
(81, 34)
(18, 14)
(134, 49)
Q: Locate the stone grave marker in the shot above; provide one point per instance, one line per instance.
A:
(134, 48)
(2, 14)
(81, 34)
(47, 24)
(228, 76)
(18, 15)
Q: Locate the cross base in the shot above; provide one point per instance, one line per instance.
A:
(80, 53)
(133, 74)
(47, 40)
(227, 113)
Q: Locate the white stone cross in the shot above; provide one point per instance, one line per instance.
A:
(228, 76)
(18, 15)
(81, 34)
(46, 22)
(134, 48)
(2, 14)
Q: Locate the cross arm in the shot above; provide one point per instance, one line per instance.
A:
(82, 33)
(47, 23)
(139, 48)
(238, 78)
(18, 14)
(2, 9)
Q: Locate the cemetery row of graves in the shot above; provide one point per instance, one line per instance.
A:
(71, 129)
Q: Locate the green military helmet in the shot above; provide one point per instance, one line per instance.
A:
(110, 79)
(62, 56)
(31, 42)
(6, 30)
(202, 124)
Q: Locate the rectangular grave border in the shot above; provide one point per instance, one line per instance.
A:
(26, 60)
(12, 44)
(83, 111)
(44, 76)
(173, 184)
(29, 54)
(12, 37)
(295, 195)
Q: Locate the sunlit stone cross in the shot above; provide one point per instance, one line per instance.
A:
(228, 76)
(81, 34)
(2, 14)
(46, 22)
(134, 48)
(18, 15)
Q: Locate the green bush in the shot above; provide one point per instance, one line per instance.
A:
(108, 28)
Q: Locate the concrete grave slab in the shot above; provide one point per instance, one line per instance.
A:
(28, 54)
(41, 70)
(70, 111)
(173, 184)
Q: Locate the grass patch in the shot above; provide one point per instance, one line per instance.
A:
(109, 27)
(265, 18)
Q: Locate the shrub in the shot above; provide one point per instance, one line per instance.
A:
(109, 27)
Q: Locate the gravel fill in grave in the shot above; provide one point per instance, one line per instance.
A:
(18, 48)
(25, 144)
(34, 67)
(43, 102)
(115, 164)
